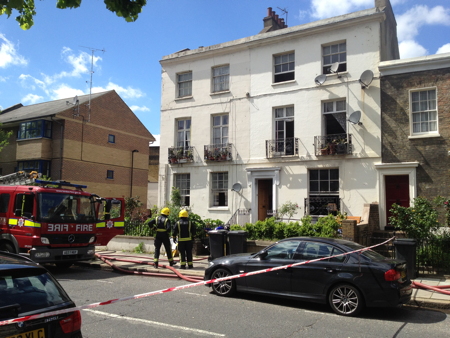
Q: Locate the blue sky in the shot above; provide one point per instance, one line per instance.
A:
(52, 60)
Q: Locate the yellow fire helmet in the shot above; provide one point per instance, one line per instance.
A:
(165, 211)
(183, 213)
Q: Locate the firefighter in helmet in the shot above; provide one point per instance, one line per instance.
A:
(185, 231)
(162, 226)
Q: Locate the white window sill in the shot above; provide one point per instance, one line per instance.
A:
(222, 92)
(184, 98)
(218, 209)
(283, 83)
(412, 137)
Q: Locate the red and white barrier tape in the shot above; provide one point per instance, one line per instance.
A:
(148, 294)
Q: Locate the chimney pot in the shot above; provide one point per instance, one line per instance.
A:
(269, 11)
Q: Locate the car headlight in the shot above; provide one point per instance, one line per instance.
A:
(92, 239)
(45, 240)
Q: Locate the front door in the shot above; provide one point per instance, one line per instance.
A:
(397, 191)
(264, 198)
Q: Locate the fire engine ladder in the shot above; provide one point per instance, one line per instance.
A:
(19, 178)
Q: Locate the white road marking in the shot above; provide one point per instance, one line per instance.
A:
(103, 281)
(145, 321)
(195, 294)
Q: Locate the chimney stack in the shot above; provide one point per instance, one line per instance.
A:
(272, 22)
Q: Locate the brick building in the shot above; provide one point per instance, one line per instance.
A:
(94, 140)
(415, 124)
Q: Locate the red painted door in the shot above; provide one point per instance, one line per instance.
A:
(397, 191)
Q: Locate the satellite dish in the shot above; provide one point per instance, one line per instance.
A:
(320, 80)
(236, 187)
(366, 78)
(75, 100)
(334, 67)
(355, 117)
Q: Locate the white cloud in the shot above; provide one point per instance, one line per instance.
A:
(9, 55)
(137, 108)
(157, 142)
(29, 81)
(444, 49)
(410, 49)
(32, 99)
(321, 9)
(127, 93)
(64, 91)
(409, 23)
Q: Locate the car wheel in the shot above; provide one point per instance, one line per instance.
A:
(346, 300)
(224, 288)
(8, 247)
(63, 265)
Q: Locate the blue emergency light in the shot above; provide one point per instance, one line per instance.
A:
(61, 184)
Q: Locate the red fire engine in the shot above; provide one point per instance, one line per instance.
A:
(55, 221)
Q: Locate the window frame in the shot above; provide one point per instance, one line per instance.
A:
(41, 166)
(420, 112)
(332, 112)
(220, 86)
(223, 128)
(185, 143)
(181, 89)
(109, 174)
(185, 192)
(30, 127)
(217, 190)
(319, 180)
(111, 138)
(282, 74)
(342, 64)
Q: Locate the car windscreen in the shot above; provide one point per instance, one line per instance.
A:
(29, 290)
(65, 208)
(369, 253)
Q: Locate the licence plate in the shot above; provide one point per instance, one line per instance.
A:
(39, 333)
(70, 252)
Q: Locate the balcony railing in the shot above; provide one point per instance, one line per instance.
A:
(322, 205)
(218, 152)
(181, 155)
(282, 147)
(336, 144)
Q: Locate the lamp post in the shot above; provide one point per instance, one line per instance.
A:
(132, 170)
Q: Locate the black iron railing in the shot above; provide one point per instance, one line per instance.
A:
(218, 152)
(282, 147)
(181, 155)
(336, 144)
(322, 205)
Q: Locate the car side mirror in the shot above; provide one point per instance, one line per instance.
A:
(262, 254)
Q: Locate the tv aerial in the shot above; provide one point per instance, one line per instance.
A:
(284, 10)
(355, 118)
(366, 78)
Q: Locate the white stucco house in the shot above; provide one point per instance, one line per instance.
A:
(251, 124)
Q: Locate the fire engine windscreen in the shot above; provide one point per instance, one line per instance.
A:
(66, 208)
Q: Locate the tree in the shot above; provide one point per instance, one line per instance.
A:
(128, 9)
(4, 136)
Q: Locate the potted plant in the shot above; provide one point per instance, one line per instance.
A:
(324, 150)
(342, 146)
(333, 146)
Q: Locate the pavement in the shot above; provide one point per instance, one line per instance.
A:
(420, 298)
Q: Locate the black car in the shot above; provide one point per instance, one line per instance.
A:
(27, 288)
(347, 282)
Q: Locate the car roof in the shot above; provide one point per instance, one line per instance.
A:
(337, 241)
(10, 261)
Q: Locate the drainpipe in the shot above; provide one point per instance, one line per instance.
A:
(132, 170)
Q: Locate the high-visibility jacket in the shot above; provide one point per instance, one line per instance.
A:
(161, 224)
(184, 229)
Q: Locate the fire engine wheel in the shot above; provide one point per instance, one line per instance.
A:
(63, 265)
(6, 246)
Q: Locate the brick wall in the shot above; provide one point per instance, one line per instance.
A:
(433, 172)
